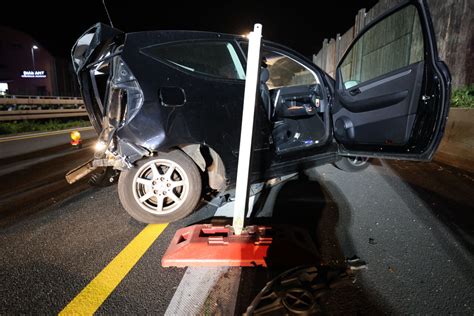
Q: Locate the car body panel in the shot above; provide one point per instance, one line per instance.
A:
(402, 113)
(212, 119)
(142, 103)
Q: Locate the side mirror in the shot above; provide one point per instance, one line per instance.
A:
(351, 83)
(172, 96)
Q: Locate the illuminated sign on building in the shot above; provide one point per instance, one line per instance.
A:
(33, 74)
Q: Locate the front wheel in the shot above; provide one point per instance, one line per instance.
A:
(352, 164)
(161, 189)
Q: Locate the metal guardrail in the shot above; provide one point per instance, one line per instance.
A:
(40, 114)
(38, 97)
(36, 100)
(13, 108)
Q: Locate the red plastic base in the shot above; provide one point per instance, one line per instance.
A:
(207, 245)
(75, 142)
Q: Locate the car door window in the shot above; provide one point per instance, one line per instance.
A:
(285, 71)
(216, 59)
(393, 43)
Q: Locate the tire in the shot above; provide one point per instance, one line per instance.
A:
(164, 197)
(352, 164)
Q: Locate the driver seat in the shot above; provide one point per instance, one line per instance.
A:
(265, 93)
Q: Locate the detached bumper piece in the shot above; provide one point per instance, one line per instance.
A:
(207, 245)
(80, 172)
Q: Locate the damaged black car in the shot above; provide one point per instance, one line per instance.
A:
(167, 106)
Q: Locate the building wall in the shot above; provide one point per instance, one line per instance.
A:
(453, 22)
(16, 56)
(66, 78)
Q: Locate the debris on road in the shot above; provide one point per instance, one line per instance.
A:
(301, 290)
(355, 263)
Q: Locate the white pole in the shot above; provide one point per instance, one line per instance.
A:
(245, 149)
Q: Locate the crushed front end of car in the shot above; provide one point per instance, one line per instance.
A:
(112, 96)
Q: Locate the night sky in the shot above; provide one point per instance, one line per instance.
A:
(296, 24)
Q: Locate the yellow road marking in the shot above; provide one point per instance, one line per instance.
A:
(97, 291)
(28, 136)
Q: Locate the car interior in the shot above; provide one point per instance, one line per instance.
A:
(294, 103)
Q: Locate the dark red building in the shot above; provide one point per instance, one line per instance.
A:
(27, 68)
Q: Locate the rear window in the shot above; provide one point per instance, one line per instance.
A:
(216, 59)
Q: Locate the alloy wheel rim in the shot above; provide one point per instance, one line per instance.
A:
(357, 161)
(160, 186)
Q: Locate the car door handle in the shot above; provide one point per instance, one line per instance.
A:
(354, 92)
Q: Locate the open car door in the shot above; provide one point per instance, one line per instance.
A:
(392, 92)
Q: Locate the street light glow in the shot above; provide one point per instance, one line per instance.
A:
(33, 59)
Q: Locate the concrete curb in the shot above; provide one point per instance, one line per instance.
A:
(457, 147)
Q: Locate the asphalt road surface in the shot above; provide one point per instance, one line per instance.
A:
(21, 144)
(32, 181)
(412, 223)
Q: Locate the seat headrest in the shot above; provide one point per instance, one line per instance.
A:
(264, 75)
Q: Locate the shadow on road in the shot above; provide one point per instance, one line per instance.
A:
(306, 204)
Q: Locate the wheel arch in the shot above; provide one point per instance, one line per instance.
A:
(209, 162)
